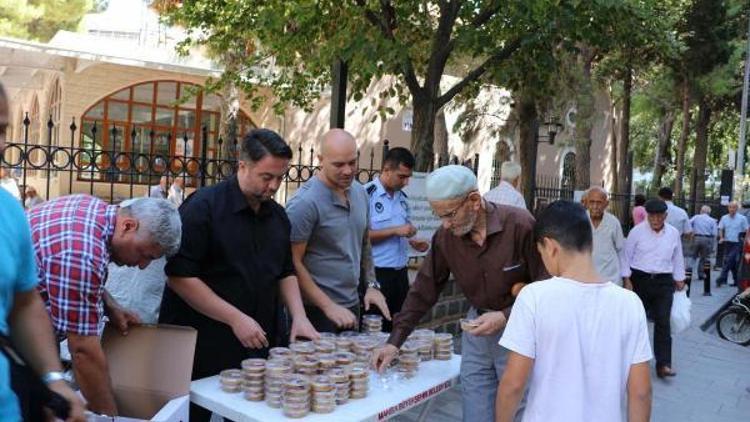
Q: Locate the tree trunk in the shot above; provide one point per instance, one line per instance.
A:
(624, 148)
(663, 140)
(528, 128)
(584, 119)
(441, 135)
(615, 206)
(698, 182)
(423, 133)
(682, 143)
(230, 108)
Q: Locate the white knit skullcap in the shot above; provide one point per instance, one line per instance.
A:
(450, 182)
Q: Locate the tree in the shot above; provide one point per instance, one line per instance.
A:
(711, 67)
(39, 20)
(415, 40)
(617, 41)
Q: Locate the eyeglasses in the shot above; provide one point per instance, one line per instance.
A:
(451, 215)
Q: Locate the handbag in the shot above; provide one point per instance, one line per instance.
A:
(680, 313)
(33, 394)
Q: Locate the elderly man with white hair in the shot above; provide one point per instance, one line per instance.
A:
(704, 229)
(506, 192)
(75, 238)
(489, 250)
(608, 238)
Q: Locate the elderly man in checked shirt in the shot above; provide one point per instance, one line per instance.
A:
(75, 238)
(652, 266)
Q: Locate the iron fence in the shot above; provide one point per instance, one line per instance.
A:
(550, 188)
(115, 174)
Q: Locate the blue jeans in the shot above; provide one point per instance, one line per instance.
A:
(483, 362)
(731, 262)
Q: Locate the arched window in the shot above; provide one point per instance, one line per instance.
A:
(569, 171)
(157, 120)
(55, 110)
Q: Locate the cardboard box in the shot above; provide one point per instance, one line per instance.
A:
(150, 370)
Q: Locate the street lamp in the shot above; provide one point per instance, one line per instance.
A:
(553, 128)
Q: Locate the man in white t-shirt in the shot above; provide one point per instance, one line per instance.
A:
(583, 341)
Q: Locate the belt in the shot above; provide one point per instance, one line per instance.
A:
(651, 276)
(704, 235)
(390, 268)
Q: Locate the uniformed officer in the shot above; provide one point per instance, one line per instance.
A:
(391, 232)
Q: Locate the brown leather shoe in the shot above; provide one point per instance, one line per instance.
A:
(665, 371)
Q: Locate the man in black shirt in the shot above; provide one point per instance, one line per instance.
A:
(234, 262)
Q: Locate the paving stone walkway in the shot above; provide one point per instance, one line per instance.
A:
(710, 386)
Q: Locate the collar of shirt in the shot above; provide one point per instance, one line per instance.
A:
(494, 225)
(380, 190)
(239, 202)
(657, 233)
(335, 200)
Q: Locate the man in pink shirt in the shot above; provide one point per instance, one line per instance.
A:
(639, 211)
(653, 266)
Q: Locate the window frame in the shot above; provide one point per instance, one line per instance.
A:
(175, 131)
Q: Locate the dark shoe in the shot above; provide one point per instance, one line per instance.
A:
(707, 294)
(665, 371)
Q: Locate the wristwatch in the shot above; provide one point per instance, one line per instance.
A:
(373, 284)
(52, 376)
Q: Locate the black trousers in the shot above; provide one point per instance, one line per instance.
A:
(394, 284)
(320, 321)
(656, 291)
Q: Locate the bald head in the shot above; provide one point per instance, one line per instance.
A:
(732, 208)
(338, 159)
(337, 140)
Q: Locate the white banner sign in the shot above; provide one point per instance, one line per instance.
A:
(421, 213)
(407, 121)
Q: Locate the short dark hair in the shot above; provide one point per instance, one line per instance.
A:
(398, 156)
(567, 223)
(640, 199)
(261, 142)
(665, 193)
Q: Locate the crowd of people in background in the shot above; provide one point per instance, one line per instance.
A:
(249, 274)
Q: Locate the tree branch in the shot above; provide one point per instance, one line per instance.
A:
(442, 45)
(485, 15)
(499, 56)
(386, 23)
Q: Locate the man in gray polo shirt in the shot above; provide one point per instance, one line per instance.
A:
(330, 243)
